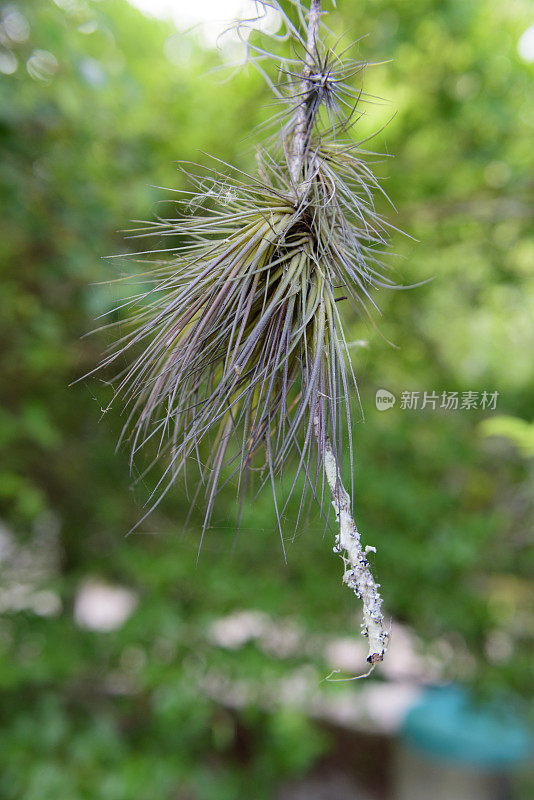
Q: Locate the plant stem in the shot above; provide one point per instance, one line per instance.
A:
(303, 118)
(357, 574)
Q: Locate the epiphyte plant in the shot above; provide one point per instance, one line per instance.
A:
(235, 344)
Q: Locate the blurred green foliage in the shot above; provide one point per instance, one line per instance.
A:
(96, 103)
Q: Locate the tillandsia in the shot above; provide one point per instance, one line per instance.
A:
(237, 358)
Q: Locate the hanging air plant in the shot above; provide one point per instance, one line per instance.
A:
(237, 345)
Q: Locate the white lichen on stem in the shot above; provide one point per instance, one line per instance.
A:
(357, 574)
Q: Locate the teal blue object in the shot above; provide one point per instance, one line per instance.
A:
(447, 724)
